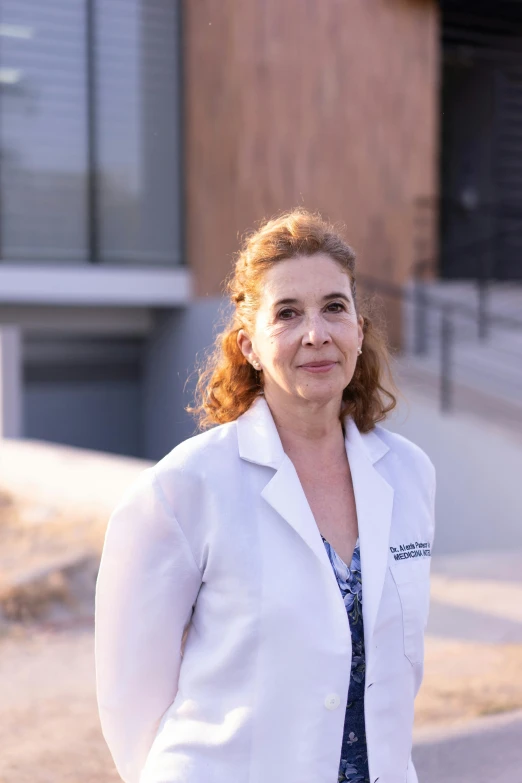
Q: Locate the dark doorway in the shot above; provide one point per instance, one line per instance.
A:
(481, 140)
(85, 392)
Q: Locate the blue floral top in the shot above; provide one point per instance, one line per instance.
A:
(353, 766)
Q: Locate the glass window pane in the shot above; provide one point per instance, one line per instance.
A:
(136, 89)
(43, 127)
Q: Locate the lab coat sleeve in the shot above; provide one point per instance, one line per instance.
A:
(147, 585)
(411, 776)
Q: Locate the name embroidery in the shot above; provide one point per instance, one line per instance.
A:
(406, 551)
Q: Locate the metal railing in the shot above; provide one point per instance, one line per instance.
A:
(424, 304)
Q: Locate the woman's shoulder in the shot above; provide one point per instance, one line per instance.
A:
(188, 471)
(192, 458)
(185, 466)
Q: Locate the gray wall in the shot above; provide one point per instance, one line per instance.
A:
(10, 381)
(179, 340)
(101, 416)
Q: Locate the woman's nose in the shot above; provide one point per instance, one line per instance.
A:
(316, 330)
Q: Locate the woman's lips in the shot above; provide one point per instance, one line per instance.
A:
(318, 367)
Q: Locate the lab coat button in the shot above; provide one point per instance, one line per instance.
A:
(332, 701)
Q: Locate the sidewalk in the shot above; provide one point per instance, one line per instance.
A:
(485, 750)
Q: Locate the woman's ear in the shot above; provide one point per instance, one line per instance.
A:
(360, 328)
(245, 344)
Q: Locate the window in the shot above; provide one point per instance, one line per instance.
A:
(43, 130)
(136, 128)
(89, 131)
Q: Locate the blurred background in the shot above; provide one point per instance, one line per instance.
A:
(139, 139)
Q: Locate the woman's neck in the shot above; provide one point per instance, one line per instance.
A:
(309, 427)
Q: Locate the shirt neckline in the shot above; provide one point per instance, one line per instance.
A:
(347, 565)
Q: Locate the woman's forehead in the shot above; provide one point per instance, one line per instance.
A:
(305, 275)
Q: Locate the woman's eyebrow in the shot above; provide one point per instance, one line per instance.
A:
(290, 301)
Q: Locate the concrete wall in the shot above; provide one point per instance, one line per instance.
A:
(100, 415)
(478, 465)
(137, 410)
(11, 421)
(179, 340)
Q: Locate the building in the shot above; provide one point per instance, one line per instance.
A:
(140, 138)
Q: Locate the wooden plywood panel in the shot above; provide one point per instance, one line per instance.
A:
(329, 104)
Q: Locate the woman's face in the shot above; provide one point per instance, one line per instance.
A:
(306, 315)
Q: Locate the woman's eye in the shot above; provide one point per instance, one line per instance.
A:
(287, 313)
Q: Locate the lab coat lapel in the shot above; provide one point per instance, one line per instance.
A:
(259, 442)
(284, 492)
(374, 503)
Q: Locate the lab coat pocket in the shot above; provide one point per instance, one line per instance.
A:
(413, 586)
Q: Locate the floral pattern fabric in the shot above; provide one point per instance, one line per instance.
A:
(353, 767)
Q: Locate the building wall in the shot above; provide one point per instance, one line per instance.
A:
(11, 414)
(176, 347)
(331, 104)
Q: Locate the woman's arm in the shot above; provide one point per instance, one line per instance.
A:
(147, 585)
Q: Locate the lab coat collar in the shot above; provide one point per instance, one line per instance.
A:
(259, 442)
(258, 438)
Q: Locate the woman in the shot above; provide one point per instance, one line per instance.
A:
(264, 589)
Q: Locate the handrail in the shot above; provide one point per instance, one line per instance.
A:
(423, 302)
(487, 266)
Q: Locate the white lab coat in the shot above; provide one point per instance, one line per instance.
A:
(219, 540)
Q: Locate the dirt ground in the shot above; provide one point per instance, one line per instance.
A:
(464, 680)
(49, 731)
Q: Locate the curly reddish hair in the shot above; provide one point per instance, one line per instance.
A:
(228, 384)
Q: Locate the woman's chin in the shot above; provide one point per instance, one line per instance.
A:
(320, 395)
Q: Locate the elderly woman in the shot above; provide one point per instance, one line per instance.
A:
(264, 589)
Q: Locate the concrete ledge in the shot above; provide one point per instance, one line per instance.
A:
(91, 284)
(53, 477)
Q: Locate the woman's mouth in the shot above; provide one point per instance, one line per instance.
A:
(318, 366)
